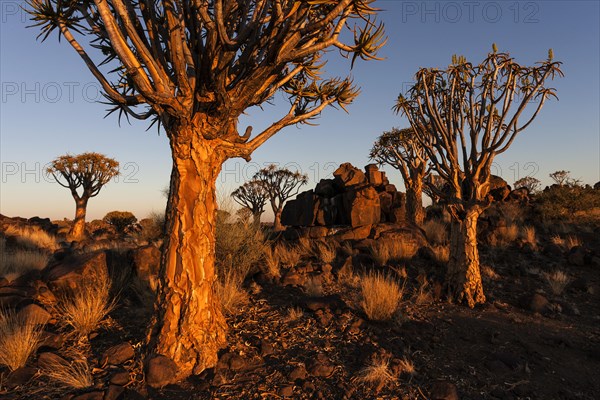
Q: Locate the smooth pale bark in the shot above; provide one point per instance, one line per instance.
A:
(188, 326)
(77, 231)
(414, 203)
(463, 275)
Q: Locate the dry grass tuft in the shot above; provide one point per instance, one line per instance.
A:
(75, 374)
(436, 231)
(506, 235)
(271, 261)
(406, 366)
(85, 308)
(566, 243)
(231, 293)
(384, 251)
(423, 294)
(325, 252)
(294, 314)
(305, 245)
(489, 273)
(529, 236)
(19, 339)
(378, 373)
(19, 262)
(381, 296)
(441, 254)
(289, 256)
(32, 237)
(558, 281)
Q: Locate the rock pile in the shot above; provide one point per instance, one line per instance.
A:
(352, 198)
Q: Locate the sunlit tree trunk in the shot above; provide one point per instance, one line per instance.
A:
(77, 231)
(414, 202)
(277, 226)
(463, 274)
(189, 327)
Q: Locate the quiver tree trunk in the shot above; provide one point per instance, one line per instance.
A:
(188, 324)
(414, 203)
(463, 275)
(277, 226)
(77, 231)
(256, 219)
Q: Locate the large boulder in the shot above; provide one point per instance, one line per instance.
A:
(362, 207)
(73, 270)
(300, 211)
(499, 188)
(375, 176)
(348, 175)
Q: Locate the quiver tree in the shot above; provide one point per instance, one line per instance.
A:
(529, 182)
(84, 175)
(280, 184)
(193, 67)
(400, 149)
(469, 114)
(253, 197)
(433, 185)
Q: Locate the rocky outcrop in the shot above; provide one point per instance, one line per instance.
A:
(353, 198)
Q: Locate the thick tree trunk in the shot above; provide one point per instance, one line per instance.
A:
(277, 227)
(256, 219)
(77, 231)
(414, 204)
(188, 326)
(463, 275)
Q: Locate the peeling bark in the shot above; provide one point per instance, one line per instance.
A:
(188, 326)
(414, 204)
(463, 275)
(77, 231)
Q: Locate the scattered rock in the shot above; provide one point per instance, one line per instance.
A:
(114, 392)
(577, 256)
(160, 371)
(51, 340)
(73, 270)
(35, 314)
(443, 390)
(49, 360)
(298, 373)
(95, 395)
(120, 378)
(535, 303)
(20, 377)
(286, 391)
(118, 354)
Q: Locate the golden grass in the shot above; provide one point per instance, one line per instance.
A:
(294, 314)
(506, 235)
(289, 256)
(558, 281)
(76, 373)
(271, 261)
(230, 292)
(381, 296)
(19, 261)
(19, 339)
(33, 237)
(436, 232)
(305, 245)
(325, 252)
(423, 294)
(529, 236)
(385, 251)
(489, 273)
(566, 243)
(377, 373)
(84, 309)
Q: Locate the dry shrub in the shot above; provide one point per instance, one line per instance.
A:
(32, 237)
(325, 252)
(19, 339)
(305, 245)
(231, 293)
(436, 231)
(20, 261)
(385, 251)
(85, 308)
(558, 281)
(381, 296)
(289, 256)
(377, 373)
(75, 374)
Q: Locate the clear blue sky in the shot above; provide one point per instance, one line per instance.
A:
(48, 105)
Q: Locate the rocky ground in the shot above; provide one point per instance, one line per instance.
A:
(305, 335)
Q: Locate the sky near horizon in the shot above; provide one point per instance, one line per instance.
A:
(49, 105)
